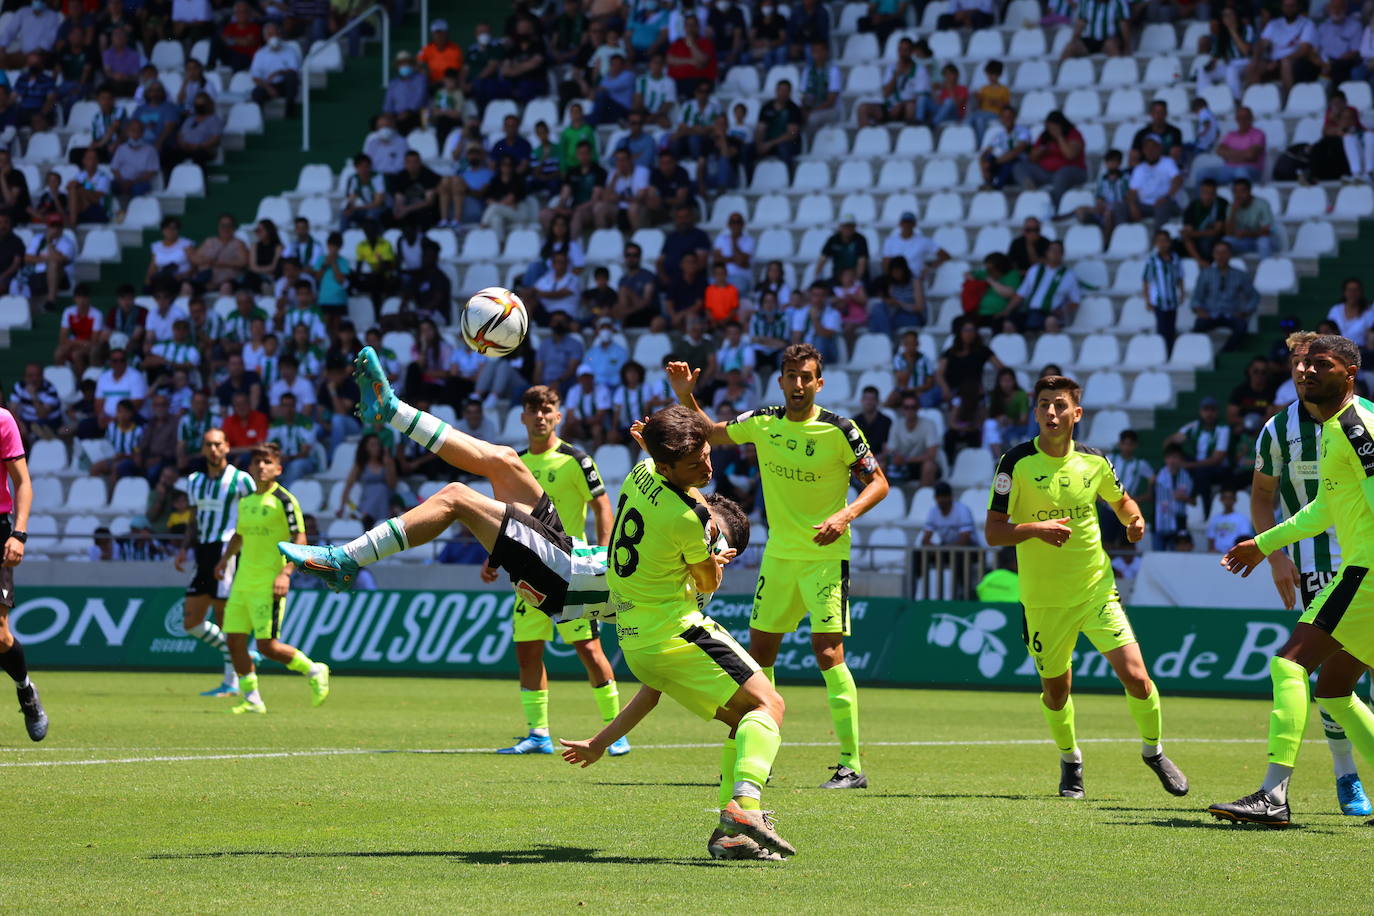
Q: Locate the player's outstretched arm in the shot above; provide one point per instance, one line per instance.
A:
(511, 481)
(585, 753)
(683, 378)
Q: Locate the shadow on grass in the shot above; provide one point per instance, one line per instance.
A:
(690, 785)
(541, 854)
(1203, 821)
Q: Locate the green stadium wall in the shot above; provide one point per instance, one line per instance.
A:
(467, 633)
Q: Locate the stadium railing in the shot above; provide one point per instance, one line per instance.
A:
(317, 52)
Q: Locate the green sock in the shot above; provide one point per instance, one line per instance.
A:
(844, 713)
(768, 673)
(248, 685)
(607, 700)
(758, 740)
(728, 753)
(300, 662)
(536, 703)
(1356, 720)
(1288, 720)
(1148, 719)
(1061, 729)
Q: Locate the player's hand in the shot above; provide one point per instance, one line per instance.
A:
(1135, 530)
(637, 432)
(1286, 578)
(829, 531)
(220, 567)
(1243, 558)
(724, 557)
(1054, 532)
(281, 585)
(14, 552)
(487, 574)
(581, 753)
(179, 560)
(682, 378)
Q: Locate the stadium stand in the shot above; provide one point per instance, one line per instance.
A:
(945, 205)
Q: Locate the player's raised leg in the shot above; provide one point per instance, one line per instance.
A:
(511, 481)
(456, 503)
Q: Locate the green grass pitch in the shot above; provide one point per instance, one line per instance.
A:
(962, 815)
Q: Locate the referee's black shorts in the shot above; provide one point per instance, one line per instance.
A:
(536, 552)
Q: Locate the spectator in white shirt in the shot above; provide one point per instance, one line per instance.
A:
(117, 383)
(192, 20)
(35, 28)
(624, 190)
(1049, 292)
(476, 423)
(735, 249)
(913, 445)
(587, 414)
(290, 381)
(557, 288)
(1228, 527)
(1286, 50)
(948, 522)
(386, 147)
(50, 257)
(161, 318)
(276, 68)
(905, 242)
(1154, 182)
(1004, 145)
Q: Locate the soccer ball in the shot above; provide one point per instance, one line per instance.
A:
(494, 322)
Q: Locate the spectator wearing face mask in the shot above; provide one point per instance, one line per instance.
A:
(276, 68)
(386, 148)
(407, 94)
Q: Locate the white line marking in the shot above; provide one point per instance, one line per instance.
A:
(365, 752)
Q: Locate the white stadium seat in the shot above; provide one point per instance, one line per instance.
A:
(1104, 389)
(1099, 351)
(1151, 390)
(973, 467)
(1144, 351)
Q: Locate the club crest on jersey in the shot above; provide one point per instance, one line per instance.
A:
(529, 593)
(1259, 463)
(1001, 484)
(810, 448)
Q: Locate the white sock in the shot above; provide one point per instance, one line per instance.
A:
(382, 541)
(20, 685)
(1276, 782)
(421, 426)
(746, 789)
(1342, 756)
(1073, 756)
(254, 696)
(315, 670)
(540, 732)
(231, 677)
(1151, 750)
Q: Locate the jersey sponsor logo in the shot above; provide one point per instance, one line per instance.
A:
(1001, 484)
(529, 593)
(792, 444)
(1071, 513)
(1366, 449)
(790, 473)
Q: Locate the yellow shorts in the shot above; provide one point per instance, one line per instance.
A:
(1050, 633)
(1345, 609)
(702, 668)
(530, 624)
(254, 610)
(789, 590)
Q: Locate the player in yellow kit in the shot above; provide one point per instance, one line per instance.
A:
(257, 599)
(1336, 632)
(668, 552)
(1044, 501)
(570, 478)
(806, 457)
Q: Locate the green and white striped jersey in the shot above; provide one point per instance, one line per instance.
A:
(191, 430)
(1163, 277)
(294, 438)
(1102, 18)
(656, 92)
(587, 590)
(1289, 448)
(177, 353)
(215, 499)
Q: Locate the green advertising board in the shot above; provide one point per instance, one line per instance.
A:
(966, 644)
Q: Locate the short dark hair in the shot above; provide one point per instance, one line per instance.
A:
(537, 396)
(870, 389)
(675, 433)
(1173, 448)
(1208, 183)
(800, 353)
(942, 488)
(1058, 383)
(1112, 154)
(1341, 347)
(1128, 435)
(733, 521)
(994, 67)
(1242, 181)
(269, 450)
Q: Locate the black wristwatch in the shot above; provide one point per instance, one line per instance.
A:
(20, 536)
